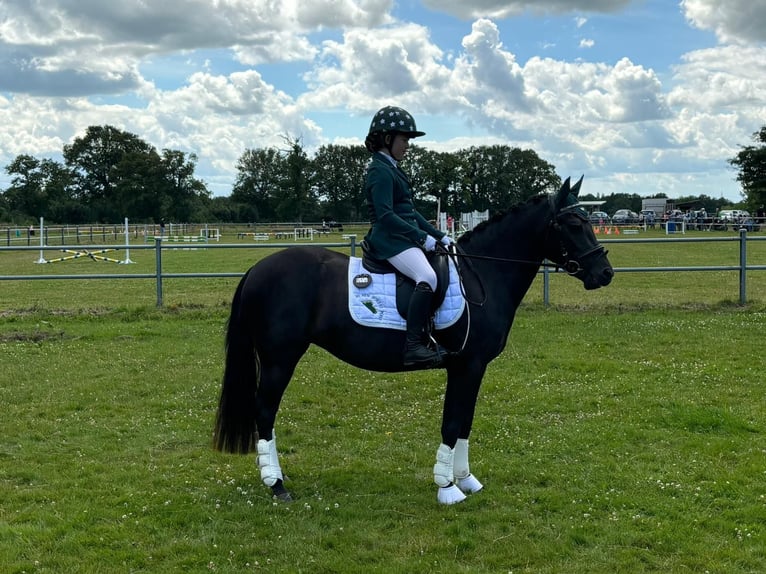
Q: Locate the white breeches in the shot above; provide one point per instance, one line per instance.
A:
(413, 263)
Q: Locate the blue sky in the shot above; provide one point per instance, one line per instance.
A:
(640, 96)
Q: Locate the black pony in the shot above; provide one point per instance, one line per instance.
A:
(299, 296)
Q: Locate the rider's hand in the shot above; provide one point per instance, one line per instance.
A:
(430, 243)
(446, 241)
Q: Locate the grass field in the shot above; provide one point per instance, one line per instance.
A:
(622, 430)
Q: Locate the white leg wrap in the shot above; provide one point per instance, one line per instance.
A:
(467, 482)
(443, 469)
(444, 476)
(268, 461)
(462, 469)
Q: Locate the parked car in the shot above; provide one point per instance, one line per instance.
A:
(733, 215)
(624, 216)
(598, 218)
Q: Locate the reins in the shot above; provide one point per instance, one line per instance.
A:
(570, 266)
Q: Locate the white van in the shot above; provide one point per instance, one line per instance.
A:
(733, 214)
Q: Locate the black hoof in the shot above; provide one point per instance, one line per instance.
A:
(280, 493)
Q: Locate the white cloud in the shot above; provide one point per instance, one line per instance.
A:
(733, 21)
(276, 47)
(621, 122)
(42, 43)
(727, 77)
(499, 9)
(489, 75)
(575, 113)
(587, 43)
(373, 66)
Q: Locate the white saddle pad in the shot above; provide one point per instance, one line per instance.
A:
(375, 305)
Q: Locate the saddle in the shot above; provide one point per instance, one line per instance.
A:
(406, 286)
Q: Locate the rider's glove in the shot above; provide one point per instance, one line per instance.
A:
(430, 243)
(446, 241)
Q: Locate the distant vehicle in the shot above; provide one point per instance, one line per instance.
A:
(599, 217)
(733, 215)
(647, 215)
(624, 216)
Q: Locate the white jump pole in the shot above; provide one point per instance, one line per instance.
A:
(42, 243)
(127, 245)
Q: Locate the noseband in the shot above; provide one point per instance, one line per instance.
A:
(571, 266)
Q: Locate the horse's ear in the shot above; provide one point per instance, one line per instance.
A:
(561, 196)
(576, 187)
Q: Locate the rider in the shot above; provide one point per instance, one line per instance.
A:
(398, 233)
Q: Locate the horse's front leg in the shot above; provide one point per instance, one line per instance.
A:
(466, 481)
(452, 473)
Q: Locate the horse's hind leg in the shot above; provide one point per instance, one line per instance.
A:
(272, 386)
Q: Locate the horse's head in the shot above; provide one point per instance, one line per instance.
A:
(572, 244)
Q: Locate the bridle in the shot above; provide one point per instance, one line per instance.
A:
(570, 266)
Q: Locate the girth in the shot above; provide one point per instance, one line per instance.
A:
(404, 285)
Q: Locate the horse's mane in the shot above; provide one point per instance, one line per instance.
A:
(500, 216)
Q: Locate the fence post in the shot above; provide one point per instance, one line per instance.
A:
(43, 240)
(742, 266)
(158, 265)
(546, 284)
(353, 246)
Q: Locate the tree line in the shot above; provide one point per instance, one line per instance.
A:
(109, 174)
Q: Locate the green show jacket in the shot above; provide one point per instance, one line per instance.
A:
(395, 223)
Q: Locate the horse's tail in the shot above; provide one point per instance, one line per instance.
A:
(235, 428)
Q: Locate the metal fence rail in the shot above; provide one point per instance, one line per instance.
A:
(742, 267)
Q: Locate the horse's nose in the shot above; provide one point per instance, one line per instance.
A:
(607, 275)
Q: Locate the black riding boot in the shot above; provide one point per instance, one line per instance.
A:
(416, 353)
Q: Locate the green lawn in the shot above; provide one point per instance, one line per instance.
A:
(620, 431)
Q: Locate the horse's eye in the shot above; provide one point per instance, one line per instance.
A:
(575, 222)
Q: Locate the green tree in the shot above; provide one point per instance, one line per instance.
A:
(41, 188)
(138, 190)
(297, 198)
(438, 177)
(117, 175)
(223, 209)
(26, 195)
(338, 181)
(500, 176)
(751, 163)
(259, 174)
(95, 158)
(184, 194)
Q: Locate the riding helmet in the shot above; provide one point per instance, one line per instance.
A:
(393, 119)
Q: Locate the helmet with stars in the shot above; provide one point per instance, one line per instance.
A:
(393, 119)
